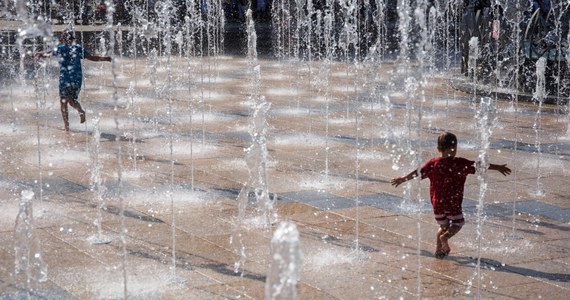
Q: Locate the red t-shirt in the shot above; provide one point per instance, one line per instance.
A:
(447, 181)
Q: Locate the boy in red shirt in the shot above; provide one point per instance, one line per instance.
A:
(447, 175)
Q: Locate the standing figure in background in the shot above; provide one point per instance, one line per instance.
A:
(101, 12)
(70, 73)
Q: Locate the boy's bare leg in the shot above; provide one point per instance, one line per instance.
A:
(65, 114)
(439, 253)
(78, 107)
(446, 235)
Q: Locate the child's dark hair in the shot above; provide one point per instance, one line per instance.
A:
(446, 140)
(68, 35)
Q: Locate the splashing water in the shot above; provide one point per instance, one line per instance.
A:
(96, 185)
(256, 154)
(286, 263)
(486, 121)
(27, 249)
(340, 27)
(538, 96)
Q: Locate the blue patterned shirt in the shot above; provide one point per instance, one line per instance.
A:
(70, 63)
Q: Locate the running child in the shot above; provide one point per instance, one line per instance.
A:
(447, 174)
(70, 73)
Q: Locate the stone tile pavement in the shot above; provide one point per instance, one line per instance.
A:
(171, 164)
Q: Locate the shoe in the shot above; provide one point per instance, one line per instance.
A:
(82, 116)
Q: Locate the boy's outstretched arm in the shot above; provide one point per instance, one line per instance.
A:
(399, 180)
(98, 58)
(501, 168)
(43, 54)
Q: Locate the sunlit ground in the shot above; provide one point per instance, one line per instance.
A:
(148, 208)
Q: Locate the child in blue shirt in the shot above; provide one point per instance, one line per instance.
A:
(70, 73)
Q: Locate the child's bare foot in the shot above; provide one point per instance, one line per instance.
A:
(444, 245)
(445, 236)
(440, 254)
(440, 251)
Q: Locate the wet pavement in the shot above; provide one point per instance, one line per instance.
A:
(171, 161)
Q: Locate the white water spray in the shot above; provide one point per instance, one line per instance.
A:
(96, 185)
(539, 95)
(256, 154)
(486, 117)
(27, 251)
(286, 263)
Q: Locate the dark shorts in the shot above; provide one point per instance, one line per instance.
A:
(450, 219)
(448, 214)
(69, 90)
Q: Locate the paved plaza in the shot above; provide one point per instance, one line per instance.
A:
(160, 163)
